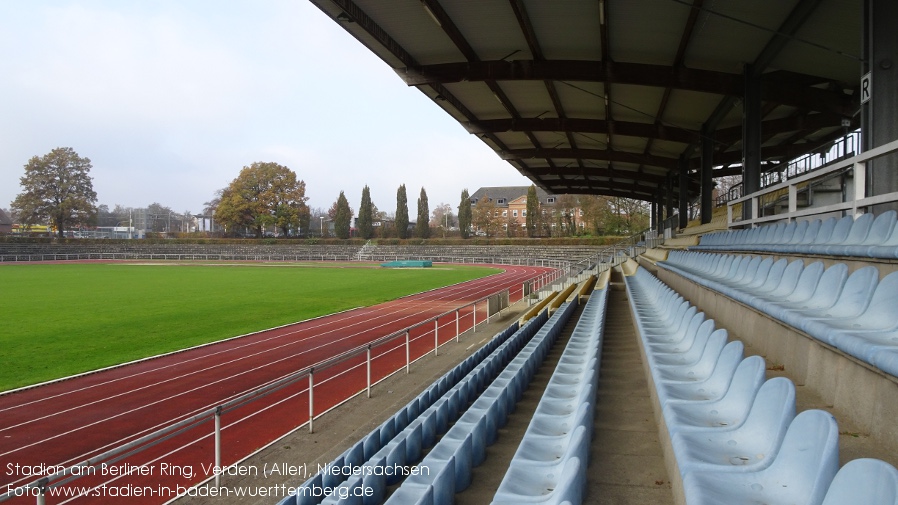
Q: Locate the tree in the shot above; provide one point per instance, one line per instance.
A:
(566, 208)
(485, 217)
(422, 228)
(594, 210)
(366, 211)
(57, 187)
(158, 217)
(317, 216)
(264, 194)
(342, 217)
(533, 215)
(401, 212)
(464, 214)
(442, 217)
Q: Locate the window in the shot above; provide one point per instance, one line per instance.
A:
(524, 212)
(551, 199)
(473, 201)
(500, 201)
(514, 213)
(504, 213)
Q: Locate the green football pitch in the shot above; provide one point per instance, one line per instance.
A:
(62, 319)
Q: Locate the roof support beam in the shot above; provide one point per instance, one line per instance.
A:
(626, 128)
(787, 91)
(590, 154)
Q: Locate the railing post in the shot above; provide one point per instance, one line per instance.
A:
(218, 446)
(456, 325)
(474, 326)
(42, 494)
(860, 183)
(369, 370)
(793, 200)
(407, 352)
(436, 336)
(311, 398)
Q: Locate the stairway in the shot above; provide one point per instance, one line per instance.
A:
(626, 464)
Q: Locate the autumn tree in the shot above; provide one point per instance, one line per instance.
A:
(264, 194)
(594, 209)
(366, 215)
(485, 217)
(57, 187)
(566, 208)
(464, 214)
(422, 227)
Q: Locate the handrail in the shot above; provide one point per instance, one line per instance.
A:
(857, 163)
(69, 474)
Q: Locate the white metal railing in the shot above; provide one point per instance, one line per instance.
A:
(411, 338)
(855, 201)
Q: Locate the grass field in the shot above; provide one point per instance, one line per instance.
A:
(58, 320)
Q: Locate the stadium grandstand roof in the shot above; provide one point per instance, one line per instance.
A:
(611, 96)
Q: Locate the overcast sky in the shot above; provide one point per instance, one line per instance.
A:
(171, 98)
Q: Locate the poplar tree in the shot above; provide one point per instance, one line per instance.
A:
(366, 210)
(464, 214)
(343, 217)
(532, 211)
(402, 212)
(422, 228)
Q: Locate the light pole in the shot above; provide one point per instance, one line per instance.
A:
(322, 226)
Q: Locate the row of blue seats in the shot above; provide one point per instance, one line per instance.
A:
(550, 463)
(735, 436)
(432, 405)
(854, 313)
(865, 236)
(448, 467)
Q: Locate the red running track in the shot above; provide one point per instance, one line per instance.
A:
(67, 422)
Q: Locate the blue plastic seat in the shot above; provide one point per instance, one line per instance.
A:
(800, 473)
(888, 248)
(880, 231)
(856, 238)
(774, 272)
(539, 484)
(826, 293)
(716, 385)
(691, 353)
(798, 234)
(778, 287)
(749, 447)
(681, 338)
(879, 315)
(804, 287)
(839, 233)
(729, 411)
(868, 481)
(701, 369)
(855, 296)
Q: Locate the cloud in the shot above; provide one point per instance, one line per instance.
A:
(171, 99)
